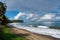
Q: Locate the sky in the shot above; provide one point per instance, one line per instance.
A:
(32, 10)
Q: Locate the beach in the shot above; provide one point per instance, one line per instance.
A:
(30, 35)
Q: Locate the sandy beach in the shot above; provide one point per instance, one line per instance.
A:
(30, 35)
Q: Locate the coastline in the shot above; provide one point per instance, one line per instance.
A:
(31, 36)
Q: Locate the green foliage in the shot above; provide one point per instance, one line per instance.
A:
(17, 21)
(2, 8)
(5, 34)
(3, 18)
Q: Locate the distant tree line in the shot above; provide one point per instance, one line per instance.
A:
(15, 21)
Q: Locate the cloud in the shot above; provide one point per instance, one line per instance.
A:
(18, 15)
(48, 16)
(35, 6)
(29, 16)
(55, 20)
(34, 17)
(46, 19)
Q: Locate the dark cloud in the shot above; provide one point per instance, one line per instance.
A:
(35, 6)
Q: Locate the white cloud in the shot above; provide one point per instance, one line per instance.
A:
(29, 16)
(35, 17)
(48, 16)
(18, 15)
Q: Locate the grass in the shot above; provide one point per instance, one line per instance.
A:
(5, 34)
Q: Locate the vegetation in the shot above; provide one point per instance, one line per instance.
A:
(17, 21)
(5, 34)
(6, 20)
(3, 18)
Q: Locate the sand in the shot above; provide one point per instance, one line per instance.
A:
(29, 35)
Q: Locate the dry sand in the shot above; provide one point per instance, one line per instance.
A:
(29, 35)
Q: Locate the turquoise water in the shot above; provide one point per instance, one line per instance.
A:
(41, 24)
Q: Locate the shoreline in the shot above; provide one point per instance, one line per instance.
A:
(38, 35)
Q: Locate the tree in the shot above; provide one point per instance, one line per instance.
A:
(3, 18)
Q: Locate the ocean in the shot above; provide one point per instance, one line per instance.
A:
(50, 25)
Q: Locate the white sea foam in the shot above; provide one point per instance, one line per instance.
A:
(42, 27)
(40, 30)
